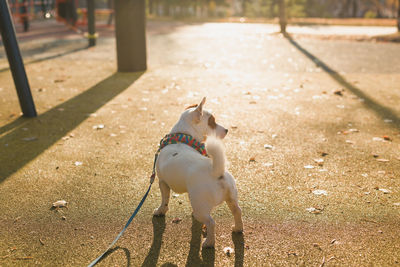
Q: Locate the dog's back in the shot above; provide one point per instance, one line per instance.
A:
(179, 164)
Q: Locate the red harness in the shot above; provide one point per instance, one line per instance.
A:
(184, 139)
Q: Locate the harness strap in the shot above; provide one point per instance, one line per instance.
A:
(184, 139)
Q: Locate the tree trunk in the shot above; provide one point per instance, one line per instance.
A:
(244, 3)
(344, 12)
(195, 4)
(166, 9)
(355, 8)
(151, 9)
(282, 16)
(272, 9)
(398, 16)
(130, 33)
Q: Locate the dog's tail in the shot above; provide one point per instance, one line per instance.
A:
(215, 150)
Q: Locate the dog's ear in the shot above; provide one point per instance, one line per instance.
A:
(198, 112)
(200, 106)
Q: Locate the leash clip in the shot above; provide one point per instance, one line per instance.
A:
(152, 177)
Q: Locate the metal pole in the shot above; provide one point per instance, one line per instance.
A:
(91, 23)
(15, 61)
(130, 32)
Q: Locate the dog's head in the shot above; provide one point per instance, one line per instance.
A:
(201, 123)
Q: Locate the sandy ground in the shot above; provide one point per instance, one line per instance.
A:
(317, 171)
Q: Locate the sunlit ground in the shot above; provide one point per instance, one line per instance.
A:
(317, 178)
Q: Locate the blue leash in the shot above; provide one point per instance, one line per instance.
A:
(93, 263)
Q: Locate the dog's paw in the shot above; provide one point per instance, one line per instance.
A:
(159, 212)
(236, 229)
(208, 244)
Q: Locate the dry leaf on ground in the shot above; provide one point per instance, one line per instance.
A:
(266, 146)
(387, 138)
(59, 204)
(98, 127)
(385, 191)
(228, 251)
(314, 210)
(176, 220)
(319, 192)
(382, 160)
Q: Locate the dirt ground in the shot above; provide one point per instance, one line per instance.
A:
(314, 130)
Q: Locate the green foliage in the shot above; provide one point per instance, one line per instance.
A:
(260, 8)
(296, 8)
(370, 14)
(269, 8)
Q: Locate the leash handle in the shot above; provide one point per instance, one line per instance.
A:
(93, 263)
(152, 177)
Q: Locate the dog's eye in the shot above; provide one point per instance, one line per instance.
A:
(211, 122)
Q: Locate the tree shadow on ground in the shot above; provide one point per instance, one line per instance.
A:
(13, 124)
(38, 51)
(380, 110)
(19, 147)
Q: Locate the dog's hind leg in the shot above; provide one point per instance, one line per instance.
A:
(201, 212)
(210, 239)
(165, 191)
(210, 224)
(237, 214)
(232, 201)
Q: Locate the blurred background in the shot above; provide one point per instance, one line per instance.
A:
(300, 11)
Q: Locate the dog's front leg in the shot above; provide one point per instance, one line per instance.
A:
(165, 191)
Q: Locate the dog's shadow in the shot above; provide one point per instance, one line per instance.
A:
(208, 254)
(154, 252)
(193, 259)
(158, 231)
(238, 242)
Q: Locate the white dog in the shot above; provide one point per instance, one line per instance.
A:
(183, 169)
